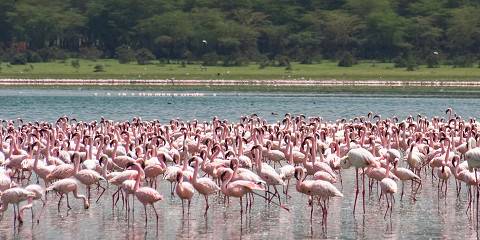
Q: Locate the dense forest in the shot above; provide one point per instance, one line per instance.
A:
(235, 32)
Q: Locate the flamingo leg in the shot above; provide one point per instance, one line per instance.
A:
(68, 203)
(101, 194)
(403, 186)
(388, 207)
(145, 210)
(476, 180)
(206, 205)
(311, 211)
(183, 208)
(241, 206)
(356, 192)
(156, 213)
(59, 201)
(363, 189)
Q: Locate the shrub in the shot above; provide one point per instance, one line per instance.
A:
(411, 63)
(432, 61)
(262, 61)
(282, 61)
(75, 64)
(399, 62)
(53, 53)
(33, 57)
(125, 54)
(210, 59)
(144, 56)
(235, 61)
(347, 60)
(463, 61)
(19, 59)
(98, 68)
(90, 53)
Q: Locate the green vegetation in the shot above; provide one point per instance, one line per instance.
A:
(411, 34)
(112, 69)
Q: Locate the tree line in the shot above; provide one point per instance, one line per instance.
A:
(235, 32)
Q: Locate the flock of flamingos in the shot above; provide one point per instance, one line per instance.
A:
(247, 159)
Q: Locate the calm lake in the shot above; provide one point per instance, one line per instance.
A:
(429, 217)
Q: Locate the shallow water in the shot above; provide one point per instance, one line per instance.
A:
(429, 217)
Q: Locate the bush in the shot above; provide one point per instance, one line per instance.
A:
(33, 57)
(282, 61)
(125, 54)
(75, 64)
(98, 68)
(235, 61)
(210, 59)
(53, 53)
(463, 61)
(399, 62)
(90, 53)
(347, 60)
(19, 59)
(412, 65)
(432, 61)
(144, 56)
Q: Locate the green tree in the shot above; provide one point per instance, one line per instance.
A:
(464, 31)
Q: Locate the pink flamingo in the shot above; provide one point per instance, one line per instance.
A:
(65, 186)
(358, 158)
(406, 175)
(145, 195)
(237, 188)
(184, 190)
(65, 170)
(204, 185)
(15, 196)
(316, 188)
(389, 187)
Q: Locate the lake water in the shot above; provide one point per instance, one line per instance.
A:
(429, 217)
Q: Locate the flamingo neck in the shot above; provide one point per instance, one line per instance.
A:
(447, 154)
(259, 160)
(388, 169)
(140, 172)
(76, 164)
(290, 154)
(195, 172)
(104, 168)
(35, 163)
(300, 181)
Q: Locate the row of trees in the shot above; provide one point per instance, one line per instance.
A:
(238, 31)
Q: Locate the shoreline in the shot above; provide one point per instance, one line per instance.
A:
(273, 83)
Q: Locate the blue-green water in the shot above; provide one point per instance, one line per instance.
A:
(48, 105)
(426, 218)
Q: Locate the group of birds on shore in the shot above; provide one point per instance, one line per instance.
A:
(247, 159)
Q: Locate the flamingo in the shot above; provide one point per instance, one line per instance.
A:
(268, 173)
(145, 195)
(15, 196)
(358, 158)
(406, 175)
(237, 188)
(316, 188)
(65, 170)
(287, 171)
(184, 190)
(65, 186)
(204, 186)
(389, 187)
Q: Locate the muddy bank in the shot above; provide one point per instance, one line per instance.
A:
(175, 82)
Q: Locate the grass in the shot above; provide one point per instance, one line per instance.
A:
(325, 70)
